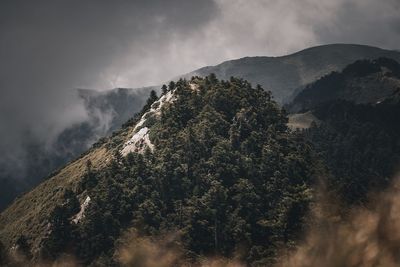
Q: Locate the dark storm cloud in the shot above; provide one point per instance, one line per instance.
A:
(49, 47)
(369, 22)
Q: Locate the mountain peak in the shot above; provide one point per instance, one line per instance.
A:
(206, 136)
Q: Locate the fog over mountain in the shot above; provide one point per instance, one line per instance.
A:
(48, 48)
(199, 133)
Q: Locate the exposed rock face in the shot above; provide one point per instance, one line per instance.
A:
(140, 139)
(138, 142)
(81, 214)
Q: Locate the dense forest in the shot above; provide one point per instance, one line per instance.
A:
(226, 174)
(358, 134)
(360, 145)
(362, 82)
(226, 177)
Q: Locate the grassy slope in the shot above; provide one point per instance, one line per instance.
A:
(28, 214)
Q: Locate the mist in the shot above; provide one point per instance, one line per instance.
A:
(49, 48)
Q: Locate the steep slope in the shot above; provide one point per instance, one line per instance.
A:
(29, 214)
(213, 162)
(352, 119)
(365, 81)
(360, 145)
(208, 169)
(286, 75)
(106, 110)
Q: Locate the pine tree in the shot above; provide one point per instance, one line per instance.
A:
(164, 89)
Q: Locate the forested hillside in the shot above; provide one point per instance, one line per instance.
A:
(225, 174)
(285, 76)
(357, 131)
(362, 82)
(360, 144)
(207, 170)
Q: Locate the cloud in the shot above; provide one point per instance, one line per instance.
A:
(369, 22)
(49, 47)
(242, 28)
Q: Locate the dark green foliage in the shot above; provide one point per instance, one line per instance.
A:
(364, 81)
(153, 97)
(171, 85)
(3, 255)
(150, 100)
(22, 247)
(164, 89)
(89, 180)
(360, 144)
(362, 68)
(60, 227)
(226, 173)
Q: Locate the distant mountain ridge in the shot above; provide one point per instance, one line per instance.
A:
(363, 82)
(286, 75)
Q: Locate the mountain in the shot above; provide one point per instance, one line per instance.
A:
(352, 119)
(365, 81)
(210, 161)
(285, 76)
(209, 169)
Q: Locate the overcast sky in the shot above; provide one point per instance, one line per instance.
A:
(49, 47)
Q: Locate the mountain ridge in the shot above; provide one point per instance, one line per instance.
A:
(364, 81)
(286, 75)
